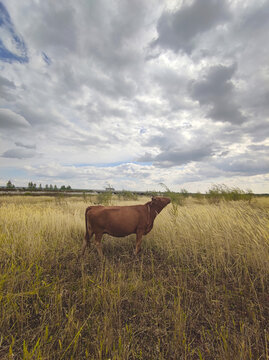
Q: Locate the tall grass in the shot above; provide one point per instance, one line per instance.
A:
(199, 290)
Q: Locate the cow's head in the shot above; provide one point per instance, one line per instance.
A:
(159, 202)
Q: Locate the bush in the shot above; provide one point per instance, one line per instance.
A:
(222, 192)
(127, 195)
(104, 198)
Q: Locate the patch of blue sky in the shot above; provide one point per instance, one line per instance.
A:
(113, 164)
(10, 173)
(46, 58)
(143, 131)
(143, 163)
(16, 49)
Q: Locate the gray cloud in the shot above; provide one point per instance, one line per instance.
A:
(166, 139)
(54, 29)
(18, 154)
(6, 83)
(26, 146)
(261, 148)
(183, 156)
(114, 32)
(217, 91)
(258, 129)
(11, 120)
(36, 116)
(6, 89)
(175, 149)
(245, 164)
(254, 21)
(179, 30)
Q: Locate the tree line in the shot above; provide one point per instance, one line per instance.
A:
(47, 187)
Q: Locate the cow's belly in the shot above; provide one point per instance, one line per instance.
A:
(120, 230)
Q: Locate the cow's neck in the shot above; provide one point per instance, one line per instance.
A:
(153, 212)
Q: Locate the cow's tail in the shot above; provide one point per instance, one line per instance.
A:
(87, 235)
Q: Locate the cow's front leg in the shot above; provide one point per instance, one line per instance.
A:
(139, 235)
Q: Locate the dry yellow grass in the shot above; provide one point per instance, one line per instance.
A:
(199, 290)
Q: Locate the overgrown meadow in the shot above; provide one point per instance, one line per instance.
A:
(198, 290)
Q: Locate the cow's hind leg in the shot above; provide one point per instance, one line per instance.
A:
(98, 238)
(86, 241)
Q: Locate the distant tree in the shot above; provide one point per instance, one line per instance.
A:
(31, 185)
(63, 187)
(40, 187)
(51, 187)
(47, 187)
(55, 187)
(10, 185)
(68, 187)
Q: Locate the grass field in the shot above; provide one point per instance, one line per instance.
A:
(198, 290)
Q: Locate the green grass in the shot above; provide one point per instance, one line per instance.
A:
(199, 290)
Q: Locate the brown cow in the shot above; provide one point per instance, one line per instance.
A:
(121, 221)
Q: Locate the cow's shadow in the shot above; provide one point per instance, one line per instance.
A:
(119, 253)
(116, 249)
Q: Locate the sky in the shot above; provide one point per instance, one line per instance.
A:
(135, 93)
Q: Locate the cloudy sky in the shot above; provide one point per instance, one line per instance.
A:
(135, 93)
